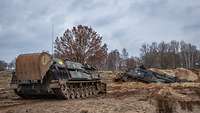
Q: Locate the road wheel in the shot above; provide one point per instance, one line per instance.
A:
(72, 94)
(65, 91)
(94, 90)
(82, 93)
(78, 93)
(86, 92)
(90, 90)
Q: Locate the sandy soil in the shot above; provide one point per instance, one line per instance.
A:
(181, 73)
(131, 97)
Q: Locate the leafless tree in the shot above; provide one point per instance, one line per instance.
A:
(124, 59)
(170, 55)
(174, 50)
(81, 44)
(113, 60)
(3, 65)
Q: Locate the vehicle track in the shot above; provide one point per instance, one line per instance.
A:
(10, 103)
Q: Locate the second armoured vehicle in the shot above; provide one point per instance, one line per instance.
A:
(38, 74)
(147, 76)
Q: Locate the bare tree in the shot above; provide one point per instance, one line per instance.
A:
(3, 65)
(124, 54)
(113, 60)
(163, 48)
(81, 44)
(11, 65)
(170, 55)
(145, 55)
(174, 50)
(150, 55)
(124, 59)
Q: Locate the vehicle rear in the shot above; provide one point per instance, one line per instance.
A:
(28, 78)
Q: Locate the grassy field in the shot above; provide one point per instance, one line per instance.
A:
(5, 91)
(5, 79)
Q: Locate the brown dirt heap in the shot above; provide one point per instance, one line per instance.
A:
(180, 73)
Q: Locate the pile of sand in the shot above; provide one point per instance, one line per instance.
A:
(185, 74)
(164, 71)
(181, 73)
(168, 100)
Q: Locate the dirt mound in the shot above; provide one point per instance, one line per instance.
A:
(163, 71)
(169, 100)
(180, 73)
(185, 74)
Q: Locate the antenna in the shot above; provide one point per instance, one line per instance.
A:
(52, 36)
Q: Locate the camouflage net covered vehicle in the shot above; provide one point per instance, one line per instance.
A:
(40, 75)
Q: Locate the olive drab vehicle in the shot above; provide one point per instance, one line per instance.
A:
(38, 74)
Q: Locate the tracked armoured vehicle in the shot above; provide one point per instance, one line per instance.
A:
(40, 75)
(147, 76)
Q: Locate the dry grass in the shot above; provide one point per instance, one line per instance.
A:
(5, 92)
(5, 79)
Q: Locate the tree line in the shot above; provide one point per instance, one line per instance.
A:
(170, 55)
(83, 44)
(4, 65)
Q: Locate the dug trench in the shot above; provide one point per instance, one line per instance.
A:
(123, 97)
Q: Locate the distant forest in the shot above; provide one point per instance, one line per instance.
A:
(83, 44)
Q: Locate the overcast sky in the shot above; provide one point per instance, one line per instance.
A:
(26, 25)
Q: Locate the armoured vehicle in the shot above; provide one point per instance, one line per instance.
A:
(38, 74)
(147, 76)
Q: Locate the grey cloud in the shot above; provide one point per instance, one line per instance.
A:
(192, 28)
(25, 25)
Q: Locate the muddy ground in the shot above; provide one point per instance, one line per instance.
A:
(130, 97)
